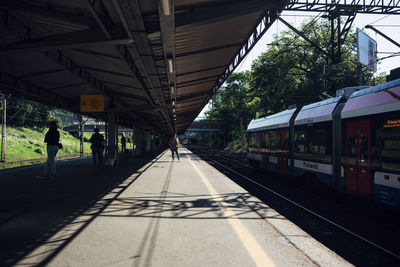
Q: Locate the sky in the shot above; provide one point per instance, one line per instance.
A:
(388, 24)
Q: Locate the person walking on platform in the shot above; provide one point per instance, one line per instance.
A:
(173, 145)
(97, 141)
(123, 143)
(52, 138)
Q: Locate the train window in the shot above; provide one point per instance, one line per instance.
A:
(300, 139)
(267, 140)
(273, 139)
(389, 143)
(318, 142)
(351, 149)
(363, 149)
(255, 140)
(283, 139)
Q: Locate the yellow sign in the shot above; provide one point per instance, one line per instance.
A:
(92, 103)
(391, 123)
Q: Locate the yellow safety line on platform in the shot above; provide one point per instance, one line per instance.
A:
(258, 255)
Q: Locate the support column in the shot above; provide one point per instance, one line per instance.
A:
(112, 142)
(81, 131)
(137, 140)
(148, 141)
(3, 129)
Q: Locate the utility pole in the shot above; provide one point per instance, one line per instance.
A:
(3, 129)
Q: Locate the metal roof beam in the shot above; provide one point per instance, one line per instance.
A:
(84, 38)
(197, 80)
(108, 72)
(65, 86)
(201, 70)
(49, 12)
(35, 92)
(196, 83)
(68, 65)
(182, 98)
(206, 50)
(198, 16)
(39, 73)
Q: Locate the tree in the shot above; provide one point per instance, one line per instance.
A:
(25, 113)
(234, 106)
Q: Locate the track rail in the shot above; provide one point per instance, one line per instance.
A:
(388, 252)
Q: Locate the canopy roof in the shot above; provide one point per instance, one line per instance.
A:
(157, 62)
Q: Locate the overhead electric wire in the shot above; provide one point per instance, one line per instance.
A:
(379, 19)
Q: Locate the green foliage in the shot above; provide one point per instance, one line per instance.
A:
(234, 105)
(25, 113)
(24, 143)
(237, 146)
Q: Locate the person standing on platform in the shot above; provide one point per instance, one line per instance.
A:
(52, 138)
(123, 143)
(173, 145)
(97, 141)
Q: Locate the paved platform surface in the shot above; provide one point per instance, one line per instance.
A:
(146, 212)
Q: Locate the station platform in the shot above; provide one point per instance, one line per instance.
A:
(148, 211)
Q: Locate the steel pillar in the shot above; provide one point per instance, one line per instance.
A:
(148, 141)
(137, 141)
(81, 131)
(3, 129)
(112, 137)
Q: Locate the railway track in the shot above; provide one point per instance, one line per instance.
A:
(254, 181)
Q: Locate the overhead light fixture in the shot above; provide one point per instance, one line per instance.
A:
(165, 4)
(173, 110)
(173, 103)
(172, 89)
(170, 65)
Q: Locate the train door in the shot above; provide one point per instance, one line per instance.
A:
(358, 158)
(364, 159)
(283, 165)
(283, 147)
(265, 161)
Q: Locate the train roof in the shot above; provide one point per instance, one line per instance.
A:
(374, 100)
(278, 120)
(317, 112)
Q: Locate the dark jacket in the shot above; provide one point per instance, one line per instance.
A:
(52, 137)
(97, 140)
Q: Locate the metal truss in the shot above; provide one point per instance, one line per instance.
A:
(336, 9)
(262, 26)
(33, 91)
(359, 6)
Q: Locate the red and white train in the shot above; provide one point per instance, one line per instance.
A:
(350, 142)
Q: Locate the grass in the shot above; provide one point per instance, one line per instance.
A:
(237, 146)
(27, 144)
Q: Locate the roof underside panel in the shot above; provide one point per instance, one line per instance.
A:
(53, 51)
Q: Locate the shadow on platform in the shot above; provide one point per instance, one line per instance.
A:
(33, 211)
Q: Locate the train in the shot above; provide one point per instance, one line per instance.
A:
(350, 142)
